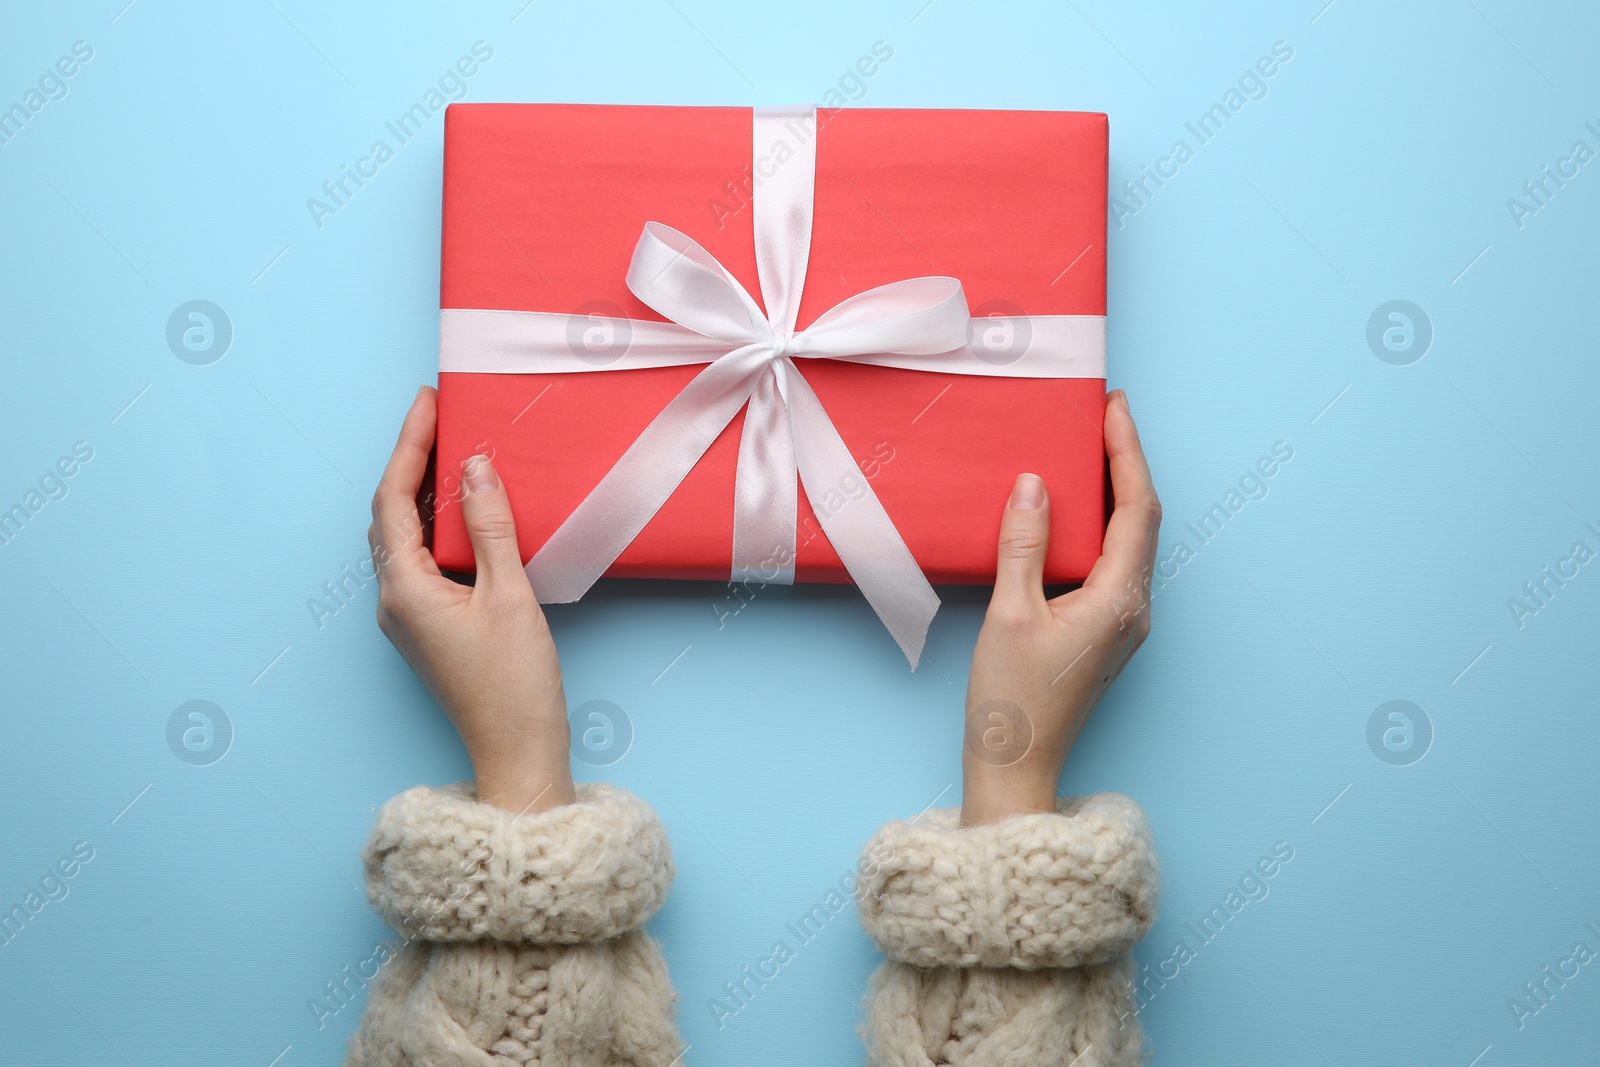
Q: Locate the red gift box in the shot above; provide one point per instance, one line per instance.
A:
(543, 204)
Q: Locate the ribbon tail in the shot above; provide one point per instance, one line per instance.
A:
(765, 497)
(860, 530)
(611, 516)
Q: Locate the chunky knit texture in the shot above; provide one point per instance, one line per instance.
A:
(443, 867)
(523, 940)
(1008, 944)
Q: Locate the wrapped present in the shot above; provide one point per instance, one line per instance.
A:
(774, 345)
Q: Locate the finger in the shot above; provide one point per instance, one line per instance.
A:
(1128, 554)
(394, 505)
(1024, 539)
(492, 530)
(382, 557)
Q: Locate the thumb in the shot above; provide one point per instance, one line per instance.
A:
(490, 527)
(1024, 539)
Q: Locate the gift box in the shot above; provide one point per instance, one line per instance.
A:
(543, 206)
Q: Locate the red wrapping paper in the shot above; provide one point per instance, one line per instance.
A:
(543, 204)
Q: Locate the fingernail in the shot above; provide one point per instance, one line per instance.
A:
(1028, 493)
(1122, 396)
(480, 475)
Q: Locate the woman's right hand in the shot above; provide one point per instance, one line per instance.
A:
(1040, 665)
(484, 651)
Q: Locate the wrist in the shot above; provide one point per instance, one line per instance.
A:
(525, 786)
(990, 794)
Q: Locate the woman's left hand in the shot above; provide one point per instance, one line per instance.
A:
(484, 651)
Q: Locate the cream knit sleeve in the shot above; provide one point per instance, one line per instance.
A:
(523, 939)
(1009, 943)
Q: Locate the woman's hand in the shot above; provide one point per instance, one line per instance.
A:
(1041, 665)
(484, 651)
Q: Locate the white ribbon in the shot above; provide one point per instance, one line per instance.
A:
(917, 324)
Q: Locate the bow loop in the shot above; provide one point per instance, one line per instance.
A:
(917, 316)
(673, 274)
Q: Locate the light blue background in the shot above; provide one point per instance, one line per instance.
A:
(179, 566)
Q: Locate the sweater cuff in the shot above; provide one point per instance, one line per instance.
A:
(1032, 891)
(442, 867)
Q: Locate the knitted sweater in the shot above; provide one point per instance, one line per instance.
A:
(1006, 944)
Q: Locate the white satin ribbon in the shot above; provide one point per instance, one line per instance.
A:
(917, 324)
